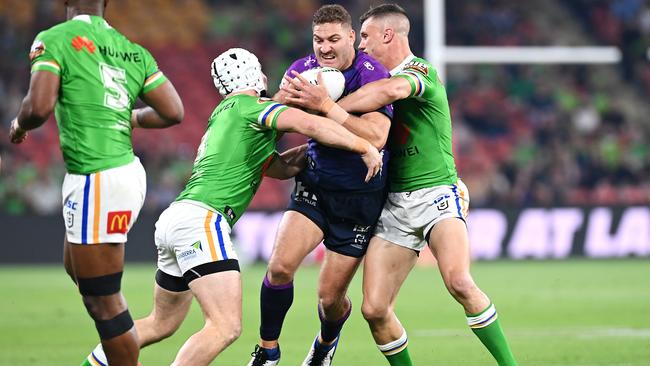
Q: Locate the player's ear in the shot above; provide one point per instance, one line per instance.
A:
(389, 33)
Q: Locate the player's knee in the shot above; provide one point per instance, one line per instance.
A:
(233, 332)
(101, 295)
(229, 331)
(330, 300)
(280, 273)
(165, 329)
(460, 285)
(103, 307)
(375, 312)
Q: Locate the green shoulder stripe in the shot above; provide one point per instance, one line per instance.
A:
(153, 81)
(51, 66)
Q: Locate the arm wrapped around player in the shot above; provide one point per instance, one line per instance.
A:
(288, 164)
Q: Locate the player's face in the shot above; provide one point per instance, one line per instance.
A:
(372, 39)
(333, 45)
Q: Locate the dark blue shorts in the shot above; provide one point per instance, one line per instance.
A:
(347, 219)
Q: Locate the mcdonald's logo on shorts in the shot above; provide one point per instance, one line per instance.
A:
(118, 222)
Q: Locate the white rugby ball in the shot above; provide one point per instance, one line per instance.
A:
(332, 78)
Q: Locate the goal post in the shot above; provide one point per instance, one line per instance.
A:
(439, 54)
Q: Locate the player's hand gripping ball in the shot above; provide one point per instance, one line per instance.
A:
(333, 80)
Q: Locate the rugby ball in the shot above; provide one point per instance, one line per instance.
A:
(332, 78)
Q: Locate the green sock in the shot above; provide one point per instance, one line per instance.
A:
(397, 352)
(402, 358)
(487, 328)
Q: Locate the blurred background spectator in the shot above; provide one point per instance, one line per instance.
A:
(524, 135)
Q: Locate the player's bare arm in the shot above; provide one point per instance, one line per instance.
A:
(165, 108)
(372, 126)
(288, 164)
(376, 95)
(331, 134)
(37, 105)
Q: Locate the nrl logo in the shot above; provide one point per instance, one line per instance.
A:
(37, 49)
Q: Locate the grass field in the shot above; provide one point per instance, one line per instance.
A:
(555, 313)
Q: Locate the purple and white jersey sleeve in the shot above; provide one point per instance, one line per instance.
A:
(303, 64)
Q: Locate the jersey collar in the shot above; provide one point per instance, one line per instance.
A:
(88, 19)
(83, 18)
(399, 67)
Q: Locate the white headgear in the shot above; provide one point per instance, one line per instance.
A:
(237, 70)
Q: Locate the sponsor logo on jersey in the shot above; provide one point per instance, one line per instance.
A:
(118, 222)
(79, 43)
(124, 56)
(369, 66)
(71, 205)
(407, 151)
(361, 228)
(417, 66)
(226, 106)
(442, 202)
(302, 195)
(186, 253)
(198, 246)
(37, 49)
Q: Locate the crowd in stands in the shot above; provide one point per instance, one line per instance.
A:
(524, 135)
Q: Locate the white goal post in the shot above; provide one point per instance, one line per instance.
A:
(440, 54)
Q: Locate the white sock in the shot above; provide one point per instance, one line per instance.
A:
(395, 346)
(97, 357)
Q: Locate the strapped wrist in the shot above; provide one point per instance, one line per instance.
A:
(338, 114)
(327, 106)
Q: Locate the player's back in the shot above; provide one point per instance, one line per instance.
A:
(234, 152)
(101, 74)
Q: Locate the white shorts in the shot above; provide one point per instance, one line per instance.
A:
(189, 235)
(407, 217)
(102, 207)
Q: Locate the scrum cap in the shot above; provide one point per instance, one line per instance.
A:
(237, 69)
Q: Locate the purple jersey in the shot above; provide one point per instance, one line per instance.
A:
(336, 169)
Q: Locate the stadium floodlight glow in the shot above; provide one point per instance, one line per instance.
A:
(440, 54)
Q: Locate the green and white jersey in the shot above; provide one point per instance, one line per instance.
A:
(101, 74)
(420, 138)
(234, 153)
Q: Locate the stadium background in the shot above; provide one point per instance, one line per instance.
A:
(556, 158)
